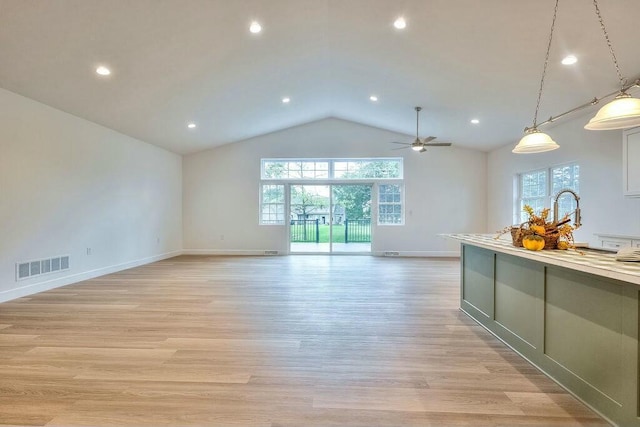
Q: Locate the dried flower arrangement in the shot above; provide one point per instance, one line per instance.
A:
(556, 235)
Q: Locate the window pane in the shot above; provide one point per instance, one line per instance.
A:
(538, 204)
(567, 176)
(534, 184)
(294, 170)
(274, 170)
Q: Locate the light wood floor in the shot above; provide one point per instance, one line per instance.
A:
(267, 341)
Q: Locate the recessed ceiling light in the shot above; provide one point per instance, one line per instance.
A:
(286, 100)
(475, 121)
(191, 125)
(373, 98)
(255, 27)
(569, 60)
(103, 71)
(400, 23)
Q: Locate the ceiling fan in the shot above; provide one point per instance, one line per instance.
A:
(420, 145)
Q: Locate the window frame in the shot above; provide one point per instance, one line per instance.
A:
(261, 220)
(380, 203)
(331, 172)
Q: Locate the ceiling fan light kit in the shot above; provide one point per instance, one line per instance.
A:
(420, 145)
(621, 113)
(417, 145)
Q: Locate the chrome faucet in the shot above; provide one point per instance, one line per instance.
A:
(576, 221)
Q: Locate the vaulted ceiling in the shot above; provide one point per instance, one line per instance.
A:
(179, 61)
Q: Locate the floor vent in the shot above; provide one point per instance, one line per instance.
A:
(25, 270)
(271, 252)
(391, 253)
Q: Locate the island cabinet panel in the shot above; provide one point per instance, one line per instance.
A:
(477, 291)
(584, 319)
(518, 299)
(579, 328)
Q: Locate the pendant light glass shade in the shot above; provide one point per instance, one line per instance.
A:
(535, 141)
(621, 113)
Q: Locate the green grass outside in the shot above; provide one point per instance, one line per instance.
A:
(338, 233)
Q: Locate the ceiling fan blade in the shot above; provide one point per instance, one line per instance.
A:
(401, 143)
(438, 144)
(422, 150)
(400, 148)
(429, 139)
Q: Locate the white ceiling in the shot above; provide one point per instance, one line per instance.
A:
(176, 61)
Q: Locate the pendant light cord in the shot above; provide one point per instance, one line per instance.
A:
(546, 62)
(606, 37)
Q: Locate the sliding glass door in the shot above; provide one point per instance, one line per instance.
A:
(330, 218)
(352, 209)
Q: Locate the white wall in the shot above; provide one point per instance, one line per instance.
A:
(445, 190)
(599, 154)
(67, 184)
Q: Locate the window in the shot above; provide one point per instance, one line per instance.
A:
(533, 192)
(538, 189)
(278, 174)
(358, 169)
(272, 204)
(321, 169)
(390, 204)
(295, 169)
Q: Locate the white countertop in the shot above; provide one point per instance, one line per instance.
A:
(592, 262)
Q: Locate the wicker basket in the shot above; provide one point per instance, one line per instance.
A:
(519, 233)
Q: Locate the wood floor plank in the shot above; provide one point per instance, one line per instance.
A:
(268, 342)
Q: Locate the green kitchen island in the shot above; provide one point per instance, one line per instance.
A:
(573, 316)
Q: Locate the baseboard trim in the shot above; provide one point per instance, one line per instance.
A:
(232, 252)
(46, 285)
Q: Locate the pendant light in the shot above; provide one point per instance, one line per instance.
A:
(624, 111)
(535, 141)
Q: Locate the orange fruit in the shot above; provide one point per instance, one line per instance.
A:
(533, 242)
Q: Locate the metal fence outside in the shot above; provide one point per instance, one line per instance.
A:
(305, 230)
(308, 231)
(357, 230)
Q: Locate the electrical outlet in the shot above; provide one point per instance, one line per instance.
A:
(88, 251)
(222, 237)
